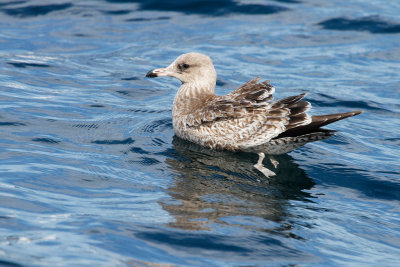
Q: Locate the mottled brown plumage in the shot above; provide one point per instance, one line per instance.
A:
(246, 119)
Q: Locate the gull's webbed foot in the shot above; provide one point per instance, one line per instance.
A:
(259, 166)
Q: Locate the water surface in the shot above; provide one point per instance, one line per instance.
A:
(92, 175)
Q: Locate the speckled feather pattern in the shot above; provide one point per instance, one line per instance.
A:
(243, 120)
(247, 119)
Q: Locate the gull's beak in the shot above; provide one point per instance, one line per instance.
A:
(158, 73)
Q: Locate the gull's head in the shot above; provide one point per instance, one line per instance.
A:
(189, 68)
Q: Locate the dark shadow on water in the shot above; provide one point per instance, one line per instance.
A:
(212, 185)
(192, 240)
(86, 126)
(34, 10)
(126, 141)
(288, 1)
(45, 140)
(25, 65)
(362, 181)
(368, 105)
(325, 100)
(201, 7)
(9, 264)
(205, 7)
(138, 150)
(147, 19)
(116, 12)
(223, 208)
(371, 24)
(96, 106)
(220, 83)
(130, 79)
(11, 123)
(230, 248)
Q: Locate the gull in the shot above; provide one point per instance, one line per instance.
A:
(247, 119)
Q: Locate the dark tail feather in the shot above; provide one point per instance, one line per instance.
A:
(316, 124)
(322, 120)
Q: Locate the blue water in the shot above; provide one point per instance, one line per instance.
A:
(90, 171)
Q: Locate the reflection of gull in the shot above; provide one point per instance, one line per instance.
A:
(213, 185)
(247, 119)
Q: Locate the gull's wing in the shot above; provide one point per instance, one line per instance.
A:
(250, 112)
(254, 91)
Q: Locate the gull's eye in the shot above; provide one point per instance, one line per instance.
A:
(184, 66)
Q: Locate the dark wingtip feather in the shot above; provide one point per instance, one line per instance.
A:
(316, 124)
(322, 120)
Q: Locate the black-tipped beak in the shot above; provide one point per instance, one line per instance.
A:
(151, 74)
(159, 72)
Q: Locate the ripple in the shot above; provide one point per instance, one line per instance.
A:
(25, 65)
(117, 12)
(204, 7)
(138, 150)
(10, 264)
(114, 142)
(147, 19)
(288, 1)
(12, 123)
(159, 126)
(46, 140)
(88, 126)
(12, 3)
(337, 102)
(147, 161)
(35, 10)
(92, 175)
(388, 141)
(371, 24)
(97, 106)
(130, 79)
(23, 204)
(237, 247)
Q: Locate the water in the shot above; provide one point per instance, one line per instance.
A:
(91, 174)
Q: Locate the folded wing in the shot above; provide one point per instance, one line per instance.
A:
(251, 113)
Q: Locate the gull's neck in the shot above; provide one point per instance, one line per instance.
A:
(191, 94)
(196, 89)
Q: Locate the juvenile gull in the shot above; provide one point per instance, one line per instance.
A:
(247, 119)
